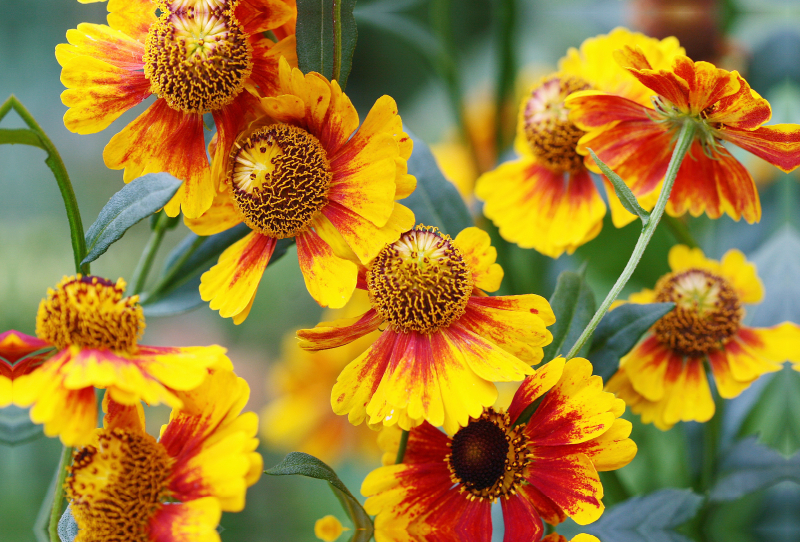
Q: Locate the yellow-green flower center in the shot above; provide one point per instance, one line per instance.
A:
(280, 176)
(552, 137)
(674, 117)
(488, 456)
(90, 312)
(197, 56)
(421, 282)
(117, 486)
(707, 312)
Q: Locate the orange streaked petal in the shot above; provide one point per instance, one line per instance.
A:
(742, 275)
(362, 236)
(381, 120)
(102, 43)
(193, 521)
(488, 360)
(119, 416)
(232, 282)
(266, 56)
(133, 17)
(728, 386)
(744, 110)
(332, 334)
(535, 304)
(610, 451)
(477, 250)
(230, 120)
(329, 279)
(15, 345)
(535, 386)
(778, 144)
(263, 15)
(163, 139)
(521, 521)
(646, 366)
(689, 399)
(594, 109)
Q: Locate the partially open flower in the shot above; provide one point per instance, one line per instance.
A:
(127, 486)
(444, 342)
(95, 331)
(544, 466)
(664, 377)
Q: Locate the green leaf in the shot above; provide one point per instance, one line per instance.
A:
(624, 193)
(436, 201)
(326, 37)
(618, 332)
(137, 200)
(183, 298)
(298, 463)
(16, 426)
(774, 416)
(651, 518)
(752, 466)
(574, 305)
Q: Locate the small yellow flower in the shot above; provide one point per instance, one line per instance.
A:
(95, 331)
(328, 528)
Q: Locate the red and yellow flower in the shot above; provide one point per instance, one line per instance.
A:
(197, 57)
(664, 377)
(299, 416)
(93, 332)
(546, 199)
(545, 467)
(16, 360)
(306, 170)
(444, 341)
(126, 485)
(636, 140)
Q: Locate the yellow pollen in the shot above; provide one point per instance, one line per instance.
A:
(197, 56)
(90, 312)
(488, 456)
(117, 486)
(279, 176)
(551, 135)
(420, 282)
(707, 312)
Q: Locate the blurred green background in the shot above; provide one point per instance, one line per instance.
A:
(760, 38)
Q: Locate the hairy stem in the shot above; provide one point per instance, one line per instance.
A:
(58, 494)
(682, 146)
(401, 451)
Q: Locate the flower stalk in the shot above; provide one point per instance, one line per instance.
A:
(58, 495)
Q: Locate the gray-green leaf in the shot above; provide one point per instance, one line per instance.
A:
(298, 463)
(624, 193)
(136, 200)
(751, 466)
(574, 305)
(326, 37)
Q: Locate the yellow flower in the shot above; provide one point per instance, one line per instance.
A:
(444, 341)
(297, 172)
(197, 57)
(546, 199)
(328, 528)
(664, 377)
(547, 466)
(126, 485)
(300, 416)
(94, 331)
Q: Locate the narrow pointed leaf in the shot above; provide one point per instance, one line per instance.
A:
(298, 463)
(436, 201)
(573, 304)
(137, 200)
(618, 332)
(624, 193)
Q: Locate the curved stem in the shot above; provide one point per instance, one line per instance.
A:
(149, 254)
(682, 146)
(401, 451)
(58, 494)
(56, 165)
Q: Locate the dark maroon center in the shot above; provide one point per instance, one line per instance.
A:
(479, 453)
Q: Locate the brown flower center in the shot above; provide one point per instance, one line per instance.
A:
(551, 135)
(117, 486)
(280, 177)
(707, 312)
(488, 456)
(421, 282)
(197, 56)
(90, 312)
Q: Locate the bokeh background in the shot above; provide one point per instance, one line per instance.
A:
(760, 38)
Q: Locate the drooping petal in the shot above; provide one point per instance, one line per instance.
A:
(489, 361)
(520, 519)
(222, 215)
(646, 366)
(778, 144)
(15, 345)
(133, 17)
(363, 237)
(535, 386)
(476, 247)
(266, 55)
(119, 416)
(689, 398)
(340, 332)
(263, 15)
(610, 451)
(231, 284)
(329, 279)
(742, 275)
(193, 521)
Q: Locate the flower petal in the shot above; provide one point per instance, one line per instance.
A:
(477, 250)
(194, 521)
(535, 386)
(329, 279)
(340, 332)
(222, 215)
(778, 144)
(520, 519)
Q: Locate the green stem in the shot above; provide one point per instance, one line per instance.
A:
(337, 40)
(149, 254)
(680, 231)
(506, 61)
(56, 165)
(58, 494)
(401, 451)
(682, 146)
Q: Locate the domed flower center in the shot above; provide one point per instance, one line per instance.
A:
(197, 56)
(420, 282)
(280, 177)
(90, 312)
(487, 456)
(118, 485)
(707, 312)
(550, 134)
